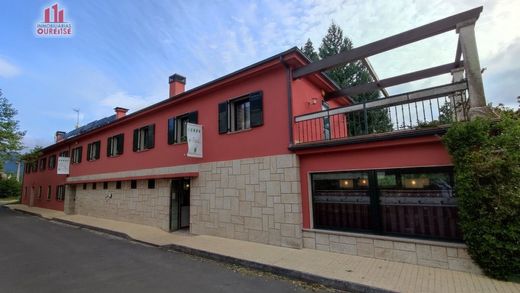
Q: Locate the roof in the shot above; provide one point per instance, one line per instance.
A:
(91, 126)
(112, 119)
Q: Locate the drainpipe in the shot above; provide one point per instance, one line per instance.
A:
(288, 74)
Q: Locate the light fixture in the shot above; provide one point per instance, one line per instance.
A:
(313, 101)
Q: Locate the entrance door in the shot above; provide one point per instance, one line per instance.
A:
(179, 204)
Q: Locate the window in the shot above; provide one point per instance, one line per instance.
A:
(118, 184)
(26, 191)
(415, 202)
(133, 184)
(144, 138)
(49, 192)
(177, 127)
(52, 162)
(241, 113)
(34, 167)
(60, 193)
(105, 185)
(93, 151)
(94, 185)
(76, 155)
(84, 186)
(27, 168)
(43, 164)
(64, 154)
(40, 192)
(115, 145)
(151, 183)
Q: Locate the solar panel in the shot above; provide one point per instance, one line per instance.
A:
(91, 126)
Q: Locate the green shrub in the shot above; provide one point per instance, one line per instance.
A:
(486, 156)
(10, 188)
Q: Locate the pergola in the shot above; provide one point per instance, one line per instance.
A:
(463, 23)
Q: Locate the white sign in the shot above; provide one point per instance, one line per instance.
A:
(63, 165)
(194, 132)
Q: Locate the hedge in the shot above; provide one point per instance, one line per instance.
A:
(486, 158)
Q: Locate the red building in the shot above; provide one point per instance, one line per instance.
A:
(288, 159)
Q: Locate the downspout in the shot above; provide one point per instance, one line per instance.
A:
(288, 74)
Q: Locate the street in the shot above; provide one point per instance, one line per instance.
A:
(42, 256)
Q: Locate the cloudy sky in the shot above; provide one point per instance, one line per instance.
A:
(122, 54)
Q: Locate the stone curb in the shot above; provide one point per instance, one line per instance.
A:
(289, 273)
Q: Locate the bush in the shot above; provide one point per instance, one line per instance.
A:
(486, 157)
(10, 188)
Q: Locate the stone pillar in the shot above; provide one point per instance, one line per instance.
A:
(70, 199)
(458, 100)
(468, 44)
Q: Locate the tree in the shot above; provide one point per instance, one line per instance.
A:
(10, 134)
(308, 50)
(348, 75)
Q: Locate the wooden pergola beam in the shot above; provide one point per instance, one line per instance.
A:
(392, 81)
(395, 41)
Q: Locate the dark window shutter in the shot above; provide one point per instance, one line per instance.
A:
(80, 154)
(98, 149)
(136, 140)
(257, 111)
(120, 143)
(150, 139)
(193, 117)
(171, 130)
(109, 144)
(89, 148)
(223, 117)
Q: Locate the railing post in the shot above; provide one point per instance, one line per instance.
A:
(468, 45)
(366, 117)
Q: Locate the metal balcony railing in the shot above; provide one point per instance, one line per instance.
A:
(426, 108)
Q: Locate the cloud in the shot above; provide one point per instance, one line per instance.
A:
(125, 100)
(8, 69)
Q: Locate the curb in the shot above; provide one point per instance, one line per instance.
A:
(289, 273)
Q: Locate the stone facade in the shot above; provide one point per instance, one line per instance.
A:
(445, 255)
(141, 205)
(255, 199)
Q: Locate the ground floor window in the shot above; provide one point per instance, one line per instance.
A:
(408, 202)
(60, 192)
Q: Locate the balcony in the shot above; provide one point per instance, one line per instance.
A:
(426, 111)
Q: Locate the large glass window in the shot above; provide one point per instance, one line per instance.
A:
(341, 201)
(411, 202)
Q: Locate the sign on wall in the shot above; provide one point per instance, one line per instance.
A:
(63, 165)
(194, 132)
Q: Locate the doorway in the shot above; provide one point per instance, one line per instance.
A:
(179, 204)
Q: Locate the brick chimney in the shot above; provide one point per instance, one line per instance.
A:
(60, 135)
(120, 112)
(177, 83)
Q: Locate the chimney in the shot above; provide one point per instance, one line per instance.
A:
(60, 135)
(120, 112)
(177, 83)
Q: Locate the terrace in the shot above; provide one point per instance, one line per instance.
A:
(421, 112)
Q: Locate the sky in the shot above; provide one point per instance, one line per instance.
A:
(122, 52)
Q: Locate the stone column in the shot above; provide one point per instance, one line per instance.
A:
(468, 44)
(70, 199)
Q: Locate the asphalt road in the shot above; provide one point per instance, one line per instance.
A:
(41, 256)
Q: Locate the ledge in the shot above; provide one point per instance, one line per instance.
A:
(388, 238)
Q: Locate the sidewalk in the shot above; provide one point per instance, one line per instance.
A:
(352, 272)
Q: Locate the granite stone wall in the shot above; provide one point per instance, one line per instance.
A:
(453, 256)
(141, 205)
(255, 199)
